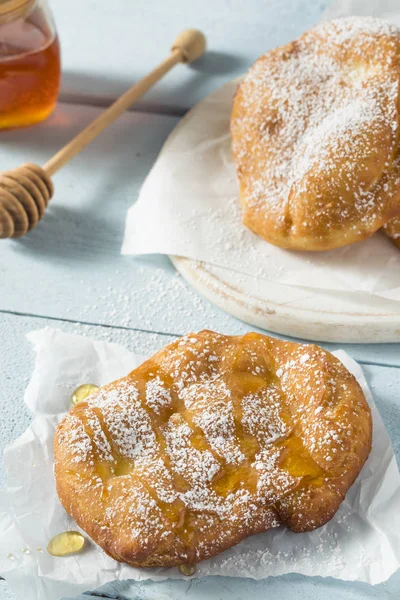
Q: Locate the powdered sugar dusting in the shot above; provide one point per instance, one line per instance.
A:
(157, 395)
(273, 481)
(127, 421)
(221, 451)
(75, 438)
(315, 129)
(198, 467)
(261, 415)
(213, 412)
(99, 438)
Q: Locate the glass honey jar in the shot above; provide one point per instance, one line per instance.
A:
(29, 63)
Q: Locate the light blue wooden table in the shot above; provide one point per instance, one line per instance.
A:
(68, 273)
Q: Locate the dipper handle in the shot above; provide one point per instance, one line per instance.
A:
(26, 190)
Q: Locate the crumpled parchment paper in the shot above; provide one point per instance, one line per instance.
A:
(362, 542)
(189, 206)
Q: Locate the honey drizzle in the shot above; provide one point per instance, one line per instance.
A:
(298, 462)
(176, 511)
(294, 459)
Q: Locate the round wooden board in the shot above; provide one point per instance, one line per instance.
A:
(311, 314)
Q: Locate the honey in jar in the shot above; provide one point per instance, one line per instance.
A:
(29, 63)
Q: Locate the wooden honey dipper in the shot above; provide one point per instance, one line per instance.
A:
(26, 190)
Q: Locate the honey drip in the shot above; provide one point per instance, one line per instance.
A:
(187, 570)
(82, 392)
(66, 543)
(297, 461)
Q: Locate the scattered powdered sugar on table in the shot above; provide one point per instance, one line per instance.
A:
(169, 301)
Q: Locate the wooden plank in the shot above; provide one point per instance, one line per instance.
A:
(130, 38)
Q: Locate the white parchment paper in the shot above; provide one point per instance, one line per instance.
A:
(385, 9)
(189, 206)
(362, 542)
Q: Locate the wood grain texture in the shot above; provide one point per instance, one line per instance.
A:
(110, 114)
(139, 33)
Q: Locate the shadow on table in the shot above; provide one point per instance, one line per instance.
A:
(73, 234)
(69, 234)
(165, 98)
(219, 63)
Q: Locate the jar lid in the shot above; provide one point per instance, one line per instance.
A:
(12, 9)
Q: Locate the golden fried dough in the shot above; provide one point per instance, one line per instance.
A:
(213, 439)
(392, 230)
(315, 136)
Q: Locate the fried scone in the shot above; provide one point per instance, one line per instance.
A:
(392, 230)
(315, 136)
(213, 439)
